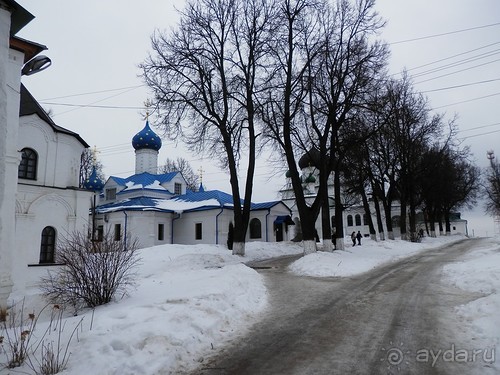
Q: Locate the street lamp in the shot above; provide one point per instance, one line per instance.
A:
(35, 65)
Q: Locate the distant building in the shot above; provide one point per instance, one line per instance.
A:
(159, 209)
(354, 216)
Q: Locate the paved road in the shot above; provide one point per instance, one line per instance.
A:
(370, 324)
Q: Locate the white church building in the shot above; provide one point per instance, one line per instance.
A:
(40, 200)
(158, 208)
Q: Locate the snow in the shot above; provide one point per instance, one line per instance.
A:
(180, 206)
(190, 300)
(358, 259)
(478, 272)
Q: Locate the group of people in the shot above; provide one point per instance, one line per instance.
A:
(355, 237)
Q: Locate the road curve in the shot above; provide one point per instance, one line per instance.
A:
(386, 321)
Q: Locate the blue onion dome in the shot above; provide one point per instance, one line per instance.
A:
(93, 183)
(288, 174)
(146, 138)
(310, 178)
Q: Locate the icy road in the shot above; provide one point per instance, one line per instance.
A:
(396, 319)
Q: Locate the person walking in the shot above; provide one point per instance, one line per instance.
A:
(353, 238)
(359, 236)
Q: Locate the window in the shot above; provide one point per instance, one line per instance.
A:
(27, 168)
(177, 188)
(110, 194)
(365, 219)
(349, 220)
(357, 218)
(255, 228)
(47, 246)
(198, 231)
(161, 232)
(118, 232)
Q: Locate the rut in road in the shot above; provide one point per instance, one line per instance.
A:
(368, 324)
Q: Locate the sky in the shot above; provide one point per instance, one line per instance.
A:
(190, 300)
(451, 48)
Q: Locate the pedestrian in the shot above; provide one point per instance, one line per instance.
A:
(359, 236)
(353, 238)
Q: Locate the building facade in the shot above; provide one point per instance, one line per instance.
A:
(158, 209)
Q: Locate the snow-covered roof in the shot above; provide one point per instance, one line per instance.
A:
(144, 180)
(191, 201)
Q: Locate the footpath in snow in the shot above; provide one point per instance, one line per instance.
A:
(190, 300)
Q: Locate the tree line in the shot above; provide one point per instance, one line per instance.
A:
(299, 77)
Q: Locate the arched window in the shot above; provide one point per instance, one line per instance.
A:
(349, 220)
(365, 219)
(255, 228)
(47, 245)
(358, 219)
(29, 161)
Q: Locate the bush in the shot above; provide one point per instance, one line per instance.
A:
(94, 272)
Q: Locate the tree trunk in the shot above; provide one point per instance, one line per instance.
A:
(388, 218)
(402, 221)
(447, 223)
(325, 211)
(366, 206)
(239, 248)
(339, 211)
(380, 224)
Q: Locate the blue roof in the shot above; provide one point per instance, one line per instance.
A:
(220, 196)
(145, 178)
(264, 205)
(146, 138)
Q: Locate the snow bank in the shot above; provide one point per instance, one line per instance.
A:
(358, 259)
(479, 272)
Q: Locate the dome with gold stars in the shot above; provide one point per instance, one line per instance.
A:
(146, 138)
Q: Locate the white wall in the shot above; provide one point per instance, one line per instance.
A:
(56, 152)
(10, 76)
(215, 227)
(46, 201)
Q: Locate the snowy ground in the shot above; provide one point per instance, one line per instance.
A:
(191, 299)
(479, 320)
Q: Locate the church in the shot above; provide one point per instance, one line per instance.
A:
(158, 209)
(40, 198)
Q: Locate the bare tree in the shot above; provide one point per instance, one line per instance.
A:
(324, 66)
(88, 162)
(205, 72)
(492, 186)
(94, 272)
(182, 166)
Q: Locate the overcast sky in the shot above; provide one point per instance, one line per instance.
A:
(93, 87)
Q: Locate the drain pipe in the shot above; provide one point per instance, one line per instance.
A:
(125, 230)
(217, 226)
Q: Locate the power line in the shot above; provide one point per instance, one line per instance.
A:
(480, 127)
(443, 34)
(458, 71)
(90, 106)
(457, 63)
(478, 135)
(94, 92)
(451, 57)
(467, 101)
(462, 85)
